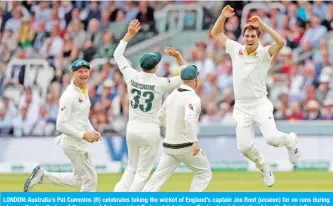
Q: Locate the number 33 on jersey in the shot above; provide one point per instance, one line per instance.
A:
(148, 97)
(145, 93)
(145, 89)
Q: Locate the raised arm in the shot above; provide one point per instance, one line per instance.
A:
(122, 62)
(218, 29)
(174, 53)
(119, 57)
(279, 41)
(174, 82)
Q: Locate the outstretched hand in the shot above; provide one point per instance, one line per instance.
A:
(171, 51)
(256, 21)
(134, 27)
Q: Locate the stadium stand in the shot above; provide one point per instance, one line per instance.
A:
(39, 40)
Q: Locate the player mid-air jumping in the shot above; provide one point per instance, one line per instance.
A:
(251, 62)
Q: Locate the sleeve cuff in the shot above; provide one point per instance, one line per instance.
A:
(124, 42)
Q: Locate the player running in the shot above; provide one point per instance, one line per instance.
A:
(180, 115)
(145, 92)
(76, 129)
(251, 62)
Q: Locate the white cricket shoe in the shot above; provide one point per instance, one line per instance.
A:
(293, 150)
(268, 176)
(35, 178)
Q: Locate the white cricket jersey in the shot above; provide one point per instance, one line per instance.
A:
(180, 115)
(145, 90)
(73, 117)
(249, 71)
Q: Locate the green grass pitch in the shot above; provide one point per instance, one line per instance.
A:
(222, 181)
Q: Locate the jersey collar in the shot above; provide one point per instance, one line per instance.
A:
(252, 53)
(83, 91)
(148, 74)
(184, 86)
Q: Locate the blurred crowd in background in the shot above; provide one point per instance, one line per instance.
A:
(63, 31)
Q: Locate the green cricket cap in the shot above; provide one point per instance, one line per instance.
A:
(189, 72)
(149, 60)
(80, 63)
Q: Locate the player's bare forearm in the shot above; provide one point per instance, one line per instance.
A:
(275, 35)
(218, 31)
(180, 60)
(174, 53)
(219, 26)
(278, 39)
(278, 43)
(128, 37)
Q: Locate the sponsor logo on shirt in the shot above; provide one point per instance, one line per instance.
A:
(62, 109)
(190, 106)
(80, 100)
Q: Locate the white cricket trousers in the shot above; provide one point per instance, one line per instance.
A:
(248, 114)
(84, 174)
(171, 159)
(143, 141)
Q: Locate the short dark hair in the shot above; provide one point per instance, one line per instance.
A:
(251, 27)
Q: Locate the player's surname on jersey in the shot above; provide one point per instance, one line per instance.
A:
(142, 86)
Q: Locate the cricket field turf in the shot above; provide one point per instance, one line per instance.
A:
(222, 181)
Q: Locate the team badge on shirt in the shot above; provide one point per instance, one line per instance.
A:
(86, 155)
(80, 100)
(240, 52)
(255, 55)
(190, 106)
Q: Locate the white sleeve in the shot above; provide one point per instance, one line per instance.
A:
(123, 64)
(231, 46)
(267, 56)
(172, 82)
(64, 114)
(192, 108)
(89, 126)
(162, 113)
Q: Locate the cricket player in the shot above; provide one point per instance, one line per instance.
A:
(251, 62)
(145, 92)
(180, 115)
(76, 129)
